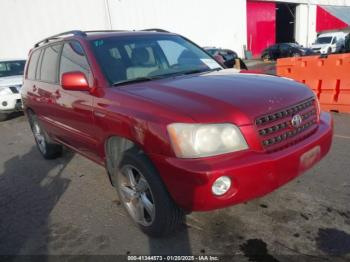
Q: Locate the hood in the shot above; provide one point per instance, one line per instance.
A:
(223, 96)
(306, 49)
(11, 80)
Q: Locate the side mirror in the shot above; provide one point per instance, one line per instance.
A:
(75, 81)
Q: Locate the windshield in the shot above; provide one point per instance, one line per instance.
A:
(324, 40)
(11, 68)
(127, 59)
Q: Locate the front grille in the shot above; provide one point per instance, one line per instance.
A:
(14, 89)
(19, 105)
(277, 132)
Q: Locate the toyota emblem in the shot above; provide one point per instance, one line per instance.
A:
(296, 121)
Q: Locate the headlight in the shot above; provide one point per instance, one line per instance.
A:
(202, 140)
(5, 91)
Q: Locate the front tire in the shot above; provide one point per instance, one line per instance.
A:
(3, 117)
(47, 149)
(145, 197)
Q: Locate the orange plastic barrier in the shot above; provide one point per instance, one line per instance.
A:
(329, 78)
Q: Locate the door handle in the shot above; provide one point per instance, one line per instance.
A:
(57, 94)
(99, 113)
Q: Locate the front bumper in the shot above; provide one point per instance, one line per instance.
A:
(10, 103)
(253, 174)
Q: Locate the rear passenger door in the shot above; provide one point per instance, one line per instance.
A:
(46, 84)
(74, 108)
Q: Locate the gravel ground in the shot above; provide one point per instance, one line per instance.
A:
(67, 207)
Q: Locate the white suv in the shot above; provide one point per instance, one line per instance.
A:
(329, 43)
(11, 80)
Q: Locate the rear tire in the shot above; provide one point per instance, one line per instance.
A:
(159, 215)
(3, 117)
(48, 149)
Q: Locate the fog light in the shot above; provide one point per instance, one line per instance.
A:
(221, 185)
(4, 103)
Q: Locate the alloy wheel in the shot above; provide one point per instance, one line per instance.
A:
(39, 137)
(136, 195)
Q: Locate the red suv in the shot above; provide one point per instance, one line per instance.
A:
(175, 131)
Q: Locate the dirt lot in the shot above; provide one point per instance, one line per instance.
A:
(67, 206)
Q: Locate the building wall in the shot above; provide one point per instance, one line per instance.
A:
(25, 22)
(314, 2)
(206, 22)
(305, 24)
(261, 26)
(326, 21)
(221, 23)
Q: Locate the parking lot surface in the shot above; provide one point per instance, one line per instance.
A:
(67, 206)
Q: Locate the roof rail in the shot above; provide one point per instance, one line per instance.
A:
(155, 30)
(104, 31)
(73, 32)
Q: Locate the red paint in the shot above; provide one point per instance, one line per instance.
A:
(261, 26)
(140, 112)
(327, 21)
(75, 81)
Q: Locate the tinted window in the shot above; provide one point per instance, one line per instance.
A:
(211, 51)
(324, 40)
(228, 55)
(11, 68)
(74, 59)
(33, 64)
(284, 47)
(48, 71)
(272, 48)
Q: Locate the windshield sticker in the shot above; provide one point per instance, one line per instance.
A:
(210, 63)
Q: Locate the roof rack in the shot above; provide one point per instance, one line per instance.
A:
(74, 32)
(84, 33)
(104, 31)
(155, 30)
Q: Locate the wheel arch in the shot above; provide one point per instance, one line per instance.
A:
(114, 148)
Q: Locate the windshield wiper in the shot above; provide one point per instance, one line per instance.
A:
(135, 80)
(148, 78)
(195, 71)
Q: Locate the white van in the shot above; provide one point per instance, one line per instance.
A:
(329, 43)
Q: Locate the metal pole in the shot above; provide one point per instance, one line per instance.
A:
(109, 19)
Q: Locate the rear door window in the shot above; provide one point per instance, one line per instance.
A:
(73, 59)
(33, 64)
(49, 64)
